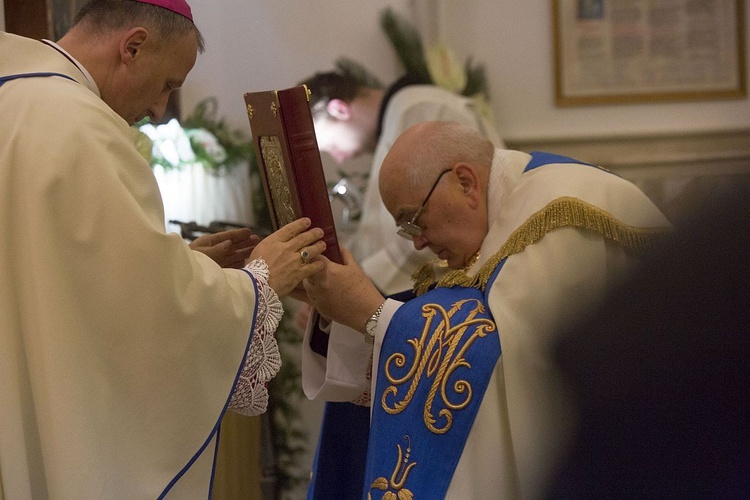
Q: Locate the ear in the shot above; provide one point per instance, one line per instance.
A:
(469, 181)
(131, 44)
(339, 109)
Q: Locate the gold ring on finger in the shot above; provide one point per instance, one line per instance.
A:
(305, 256)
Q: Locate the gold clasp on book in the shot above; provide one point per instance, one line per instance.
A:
(275, 105)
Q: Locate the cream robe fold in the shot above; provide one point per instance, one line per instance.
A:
(524, 421)
(119, 346)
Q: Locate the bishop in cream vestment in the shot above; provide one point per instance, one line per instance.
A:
(119, 346)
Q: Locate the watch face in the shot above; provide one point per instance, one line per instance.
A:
(370, 327)
(372, 323)
(369, 336)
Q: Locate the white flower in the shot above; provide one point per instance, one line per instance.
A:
(210, 144)
(444, 70)
(171, 143)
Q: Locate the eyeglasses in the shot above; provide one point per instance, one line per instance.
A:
(410, 230)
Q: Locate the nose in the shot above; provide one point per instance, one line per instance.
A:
(157, 110)
(339, 156)
(419, 242)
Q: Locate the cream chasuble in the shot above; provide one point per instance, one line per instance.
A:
(569, 231)
(119, 346)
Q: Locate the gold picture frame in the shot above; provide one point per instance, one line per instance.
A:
(648, 51)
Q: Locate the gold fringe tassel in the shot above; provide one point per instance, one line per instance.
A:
(562, 212)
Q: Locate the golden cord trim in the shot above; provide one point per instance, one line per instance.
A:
(562, 212)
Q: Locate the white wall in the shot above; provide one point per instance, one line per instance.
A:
(265, 44)
(514, 39)
(259, 45)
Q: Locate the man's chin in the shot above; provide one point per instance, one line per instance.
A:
(452, 261)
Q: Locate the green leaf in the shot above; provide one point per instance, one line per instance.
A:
(476, 79)
(406, 42)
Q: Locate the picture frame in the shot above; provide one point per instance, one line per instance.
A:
(609, 52)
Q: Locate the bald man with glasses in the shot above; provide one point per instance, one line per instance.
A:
(464, 399)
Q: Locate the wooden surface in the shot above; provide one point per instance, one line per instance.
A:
(238, 460)
(27, 18)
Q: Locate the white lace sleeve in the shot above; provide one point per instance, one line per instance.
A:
(262, 363)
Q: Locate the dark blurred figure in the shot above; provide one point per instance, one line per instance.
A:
(661, 371)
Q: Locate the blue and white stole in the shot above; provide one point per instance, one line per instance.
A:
(436, 362)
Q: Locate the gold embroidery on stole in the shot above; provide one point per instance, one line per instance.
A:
(402, 469)
(436, 357)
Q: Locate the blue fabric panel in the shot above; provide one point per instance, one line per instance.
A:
(539, 158)
(339, 465)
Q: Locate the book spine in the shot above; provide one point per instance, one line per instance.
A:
(309, 178)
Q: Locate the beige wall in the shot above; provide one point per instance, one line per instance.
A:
(514, 38)
(261, 44)
(255, 44)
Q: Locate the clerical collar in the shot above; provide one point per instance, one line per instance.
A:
(90, 83)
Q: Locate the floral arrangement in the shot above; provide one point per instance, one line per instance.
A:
(201, 138)
(213, 141)
(437, 64)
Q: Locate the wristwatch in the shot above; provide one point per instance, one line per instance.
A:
(371, 323)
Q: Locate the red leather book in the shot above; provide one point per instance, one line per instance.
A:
(289, 161)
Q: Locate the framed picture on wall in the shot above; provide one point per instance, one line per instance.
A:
(609, 51)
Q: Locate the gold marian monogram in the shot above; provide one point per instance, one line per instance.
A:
(437, 356)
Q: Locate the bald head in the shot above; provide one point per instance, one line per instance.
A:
(423, 150)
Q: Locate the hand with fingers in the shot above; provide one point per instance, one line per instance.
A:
(227, 248)
(292, 254)
(343, 292)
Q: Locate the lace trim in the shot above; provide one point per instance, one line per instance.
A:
(562, 212)
(365, 398)
(263, 360)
